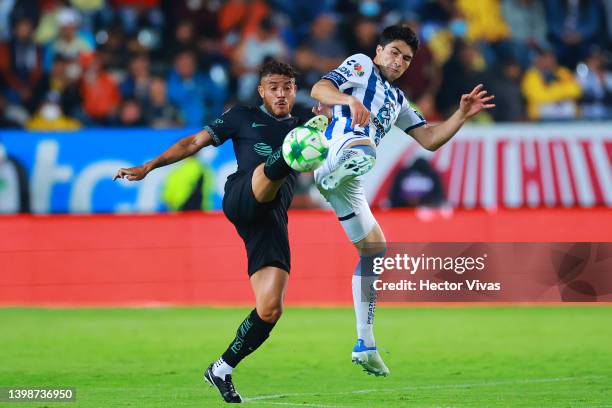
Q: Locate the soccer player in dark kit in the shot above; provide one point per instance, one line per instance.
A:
(256, 200)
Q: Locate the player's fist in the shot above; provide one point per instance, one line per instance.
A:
(132, 173)
(360, 115)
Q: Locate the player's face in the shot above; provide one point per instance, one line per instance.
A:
(393, 59)
(278, 94)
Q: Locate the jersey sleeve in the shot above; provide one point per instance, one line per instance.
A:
(408, 118)
(353, 72)
(224, 127)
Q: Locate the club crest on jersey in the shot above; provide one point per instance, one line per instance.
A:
(358, 68)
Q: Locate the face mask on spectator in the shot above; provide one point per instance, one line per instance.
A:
(50, 111)
(369, 8)
(458, 27)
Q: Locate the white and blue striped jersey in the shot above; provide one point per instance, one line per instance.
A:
(388, 106)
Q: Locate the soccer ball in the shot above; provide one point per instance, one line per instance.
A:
(305, 148)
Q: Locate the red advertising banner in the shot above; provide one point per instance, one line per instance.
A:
(509, 166)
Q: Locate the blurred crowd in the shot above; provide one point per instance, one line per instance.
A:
(66, 64)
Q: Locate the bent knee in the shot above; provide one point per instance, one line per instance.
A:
(270, 311)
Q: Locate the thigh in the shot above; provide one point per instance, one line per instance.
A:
(373, 244)
(269, 285)
(239, 203)
(352, 209)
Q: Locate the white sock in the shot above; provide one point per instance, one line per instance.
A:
(364, 302)
(221, 368)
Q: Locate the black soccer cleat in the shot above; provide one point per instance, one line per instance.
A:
(225, 387)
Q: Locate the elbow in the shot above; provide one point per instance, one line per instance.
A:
(314, 92)
(432, 147)
(318, 90)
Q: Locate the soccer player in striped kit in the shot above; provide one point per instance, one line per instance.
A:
(365, 105)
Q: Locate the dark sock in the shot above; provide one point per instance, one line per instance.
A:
(251, 334)
(276, 167)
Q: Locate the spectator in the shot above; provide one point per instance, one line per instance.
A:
(159, 113)
(100, 92)
(11, 115)
(422, 80)
(573, 26)
(198, 98)
(506, 86)
(550, 89)
(51, 117)
(487, 28)
(438, 12)
(70, 43)
(462, 72)
(203, 16)
(242, 18)
(137, 84)
(527, 23)
(301, 14)
(130, 114)
(596, 82)
(12, 11)
(21, 63)
(138, 14)
(318, 55)
(6, 8)
(417, 185)
(184, 39)
(252, 52)
(363, 36)
(114, 48)
(62, 85)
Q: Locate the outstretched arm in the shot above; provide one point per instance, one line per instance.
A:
(178, 151)
(432, 137)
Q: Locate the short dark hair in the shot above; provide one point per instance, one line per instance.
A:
(399, 32)
(275, 67)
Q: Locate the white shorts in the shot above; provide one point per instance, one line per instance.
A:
(348, 200)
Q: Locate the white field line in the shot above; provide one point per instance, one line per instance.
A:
(421, 387)
(295, 404)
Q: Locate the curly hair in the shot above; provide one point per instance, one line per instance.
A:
(275, 67)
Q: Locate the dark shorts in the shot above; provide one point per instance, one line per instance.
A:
(262, 226)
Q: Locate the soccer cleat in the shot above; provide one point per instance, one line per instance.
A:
(352, 163)
(369, 359)
(225, 386)
(319, 122)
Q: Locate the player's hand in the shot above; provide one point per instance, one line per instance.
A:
(477, 100)
(132, 173)
(360, 115)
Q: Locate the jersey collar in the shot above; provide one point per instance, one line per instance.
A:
(264, 110)
(381, 76)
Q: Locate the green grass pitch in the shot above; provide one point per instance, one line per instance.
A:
(507, 356)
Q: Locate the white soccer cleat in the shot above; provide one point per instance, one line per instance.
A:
(352, 163)
(369, 359)
(319, 122)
